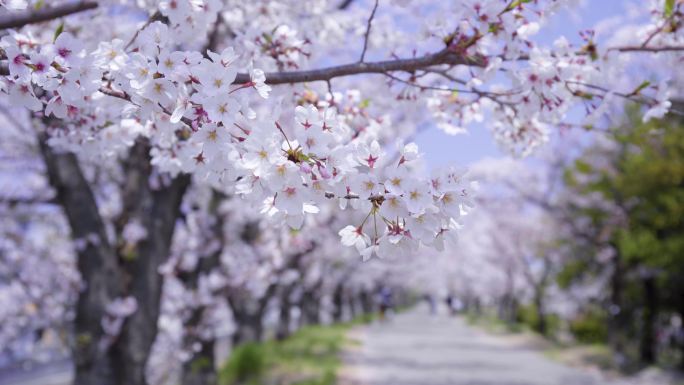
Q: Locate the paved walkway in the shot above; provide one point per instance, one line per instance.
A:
(416, 348)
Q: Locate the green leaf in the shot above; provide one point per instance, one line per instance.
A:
(641, 86)
(494, 28)
(582, 167)
(669, 8)
(39, 5)
(58, 31)
(516, 3)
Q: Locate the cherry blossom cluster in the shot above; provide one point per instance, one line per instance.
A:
(187, 105)
(525, 88)
(189, 20)
(38, 279)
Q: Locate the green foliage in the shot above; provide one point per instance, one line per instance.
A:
(246, 365)
(570, 271)
(201, 364)
(308, 357)
(640, 180)
(58, 31)
(653, 179)
(590, 327)
(644, 176)
(529, 316)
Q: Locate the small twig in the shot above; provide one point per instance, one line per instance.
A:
(653, 34)
(330, 195)
(330, 91)
(424, 87)
(636, 98)
(124, 96)
(155, 16)
(368, 30)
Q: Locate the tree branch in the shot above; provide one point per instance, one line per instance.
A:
(15, 201)
(20, 19)
(408, 65)
(640, 48)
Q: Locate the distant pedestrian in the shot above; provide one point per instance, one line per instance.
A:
(386, 302)
(451, 305)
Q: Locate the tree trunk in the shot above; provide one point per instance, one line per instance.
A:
(354, 305)
(681, 332)
(285, 319)
(618, 320)
(541, 326)
(647, 348)
(200, 369)
(366, 302)
(100, 265)
(248, 328)
(157, 210)
(310, 307)
(338, 303)
(248, 315)
(97, 264)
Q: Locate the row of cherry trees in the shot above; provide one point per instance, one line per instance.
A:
(210, 158)
(598, 253)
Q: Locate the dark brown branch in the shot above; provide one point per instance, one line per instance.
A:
(638, 48)
(324, 74)
(380, 67)
(20, 19)
(15, 201)
(345, 4)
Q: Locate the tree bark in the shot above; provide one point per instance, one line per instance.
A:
(681, 332)
(200, 369)
(366, 302)
(248, 327)
(542, 325)
(310, 306)
(248, 314)
(157, 210)
(338, 303)
(618, 315)
(97, 264)
(285, 319)
(647, 348)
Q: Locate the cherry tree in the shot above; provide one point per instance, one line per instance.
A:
(136, 107)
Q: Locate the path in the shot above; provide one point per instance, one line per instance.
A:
(415, 348)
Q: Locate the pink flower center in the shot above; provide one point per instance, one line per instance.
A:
(64, 52)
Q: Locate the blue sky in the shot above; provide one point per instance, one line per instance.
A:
(441, 149)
